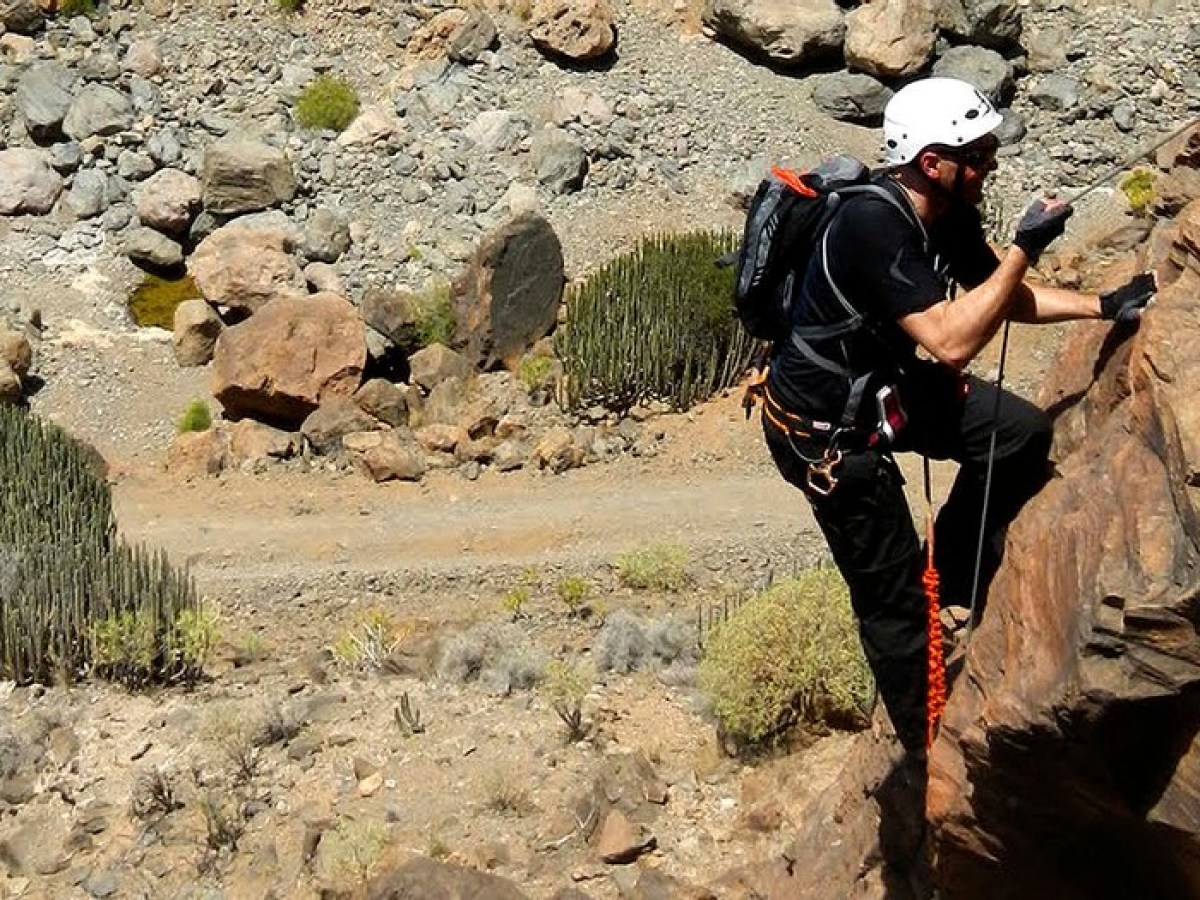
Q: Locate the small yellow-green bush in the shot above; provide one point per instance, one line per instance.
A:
(1138, 187)
(435, 314)
(328, 103)
(536, 371)
(658, 567)
(788, 657)
(290, 6)
(196, 417)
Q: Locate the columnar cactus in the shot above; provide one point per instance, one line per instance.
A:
(656, 323)
(74, 598)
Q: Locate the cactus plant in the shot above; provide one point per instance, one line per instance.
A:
(74, 598)
(656, 323)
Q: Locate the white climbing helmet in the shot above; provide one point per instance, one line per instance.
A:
(943, 111)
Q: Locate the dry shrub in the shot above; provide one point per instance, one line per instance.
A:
(788, 657)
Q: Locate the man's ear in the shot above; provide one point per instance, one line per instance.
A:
(927, 164)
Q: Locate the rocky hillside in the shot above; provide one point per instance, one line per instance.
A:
(159, 132)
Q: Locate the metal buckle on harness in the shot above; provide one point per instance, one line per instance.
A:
(822, 477)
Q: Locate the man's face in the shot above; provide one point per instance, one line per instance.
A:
(962, 170)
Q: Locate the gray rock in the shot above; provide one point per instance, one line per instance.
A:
(149, 247)
(985, 69)
(27, 183)
(1057, 93)
(164, 147)
(44, 96)
(470, 39)
(558, 160)
(88, 195)
(789, 34)
(851, 97)
(97, 110)
(1124, 115)
(135, 166)
(326, 236)
(65, 157)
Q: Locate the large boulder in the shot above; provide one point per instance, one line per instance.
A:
(27, 183)
(288, 358)
(168, 200)
(890, 38)
(1068, 763)
(576, 30)
(44, 95)
(243, 176)
(789, 33)
(240, 268)
(509, 296)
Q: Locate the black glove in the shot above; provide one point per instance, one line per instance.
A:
(1040, 225)
(1125, 304)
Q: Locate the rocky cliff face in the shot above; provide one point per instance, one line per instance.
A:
(1068, 763)
(1069, 760)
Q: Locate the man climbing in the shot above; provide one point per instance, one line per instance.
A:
(848, 389)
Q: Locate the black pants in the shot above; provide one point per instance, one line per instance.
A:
(870, 532)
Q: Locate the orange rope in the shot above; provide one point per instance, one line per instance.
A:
(935, 702)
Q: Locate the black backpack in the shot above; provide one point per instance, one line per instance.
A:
(787, 216)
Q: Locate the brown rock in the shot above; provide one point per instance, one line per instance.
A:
(579, 30)
(890, 38)
(331, 421)
(394, 457)
(620, 841)
(197, 327)
(289, 358)
(16, 352)
(1074, 734)
(432, 365)
(250, 440)
(427, 879)
(167, 200)
(242, 269)
(386, 401)
(198, 454)
(245, 176)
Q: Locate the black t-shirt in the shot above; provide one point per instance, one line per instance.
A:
(880, 260)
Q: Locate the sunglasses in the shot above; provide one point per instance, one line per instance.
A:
(976, 157)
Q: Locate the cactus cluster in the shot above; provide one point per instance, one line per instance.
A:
(655, 324)
(74, 598)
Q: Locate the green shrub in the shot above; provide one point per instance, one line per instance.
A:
(536, 371)
(75, 598)
(656, 323)
(788, 657)
(196, 417)
(290, 6)
(565, 688)
(435, 314)
(69, 8)
(658, 567)
(329, 103)
(573, 591)
(1138, 187)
